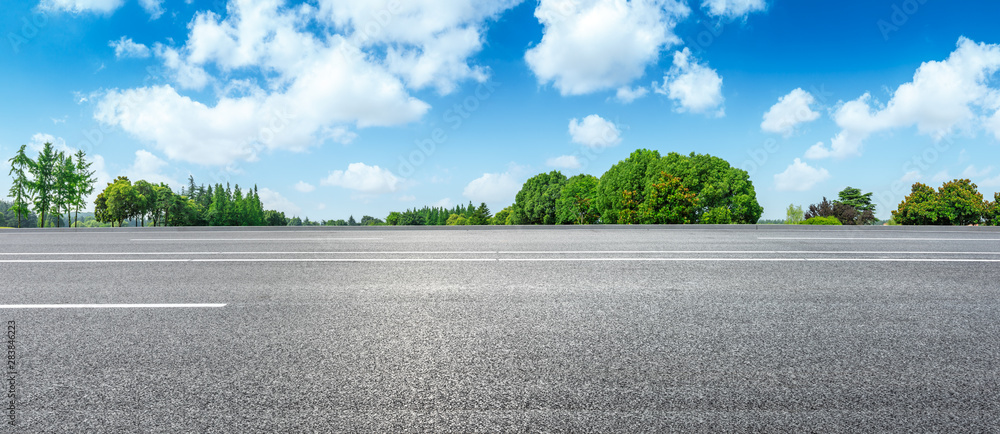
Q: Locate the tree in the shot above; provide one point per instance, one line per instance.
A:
(536, 201)
(991, 211)
(576, 203)
(117, 203)
(84, 182)
(847, 215)
(351, 221)
(918, 208)
(275, 218)
(21, 190)
(794, 215)
(864, 209)
(620, 187)
(481, 215)
(667, 201)
(829, 220)
(43, 185)
(956, 202)
(393, 218)
(716, 183)
(65, 187)
(960, 203)
(500, 218)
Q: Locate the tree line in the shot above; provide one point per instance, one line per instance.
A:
(852, 207)
(216, 205)
(645, 188)
(53, 184)
(956, 202)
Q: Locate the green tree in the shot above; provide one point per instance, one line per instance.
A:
(715, 182)
(991, 211)
(351, 221)
(501, 217)
(667, 201)
(620, 188)
(536, 201)
(84, 183)
(481, 215)
(393, 218)
(117, 203)
(43, 185)
(829, 220)
(918, 208)
(65, 188)
(959, 202)
(864, 209)
(21, 190)
(576, 203)
(794, 215)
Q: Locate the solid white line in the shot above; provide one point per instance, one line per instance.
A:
(511, 252)
(56, 261)
(879, 239)
(252, 239)
(110, 306)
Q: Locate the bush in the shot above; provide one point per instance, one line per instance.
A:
(830, 220)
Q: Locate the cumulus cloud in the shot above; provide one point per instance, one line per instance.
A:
(626, 95)
(790, 111)
(694, 87)
(944, 96)
(495, 188)
(148, 167)
(911, 176)
(799, 176)
(126, 48)
(732, 8)
(592, 45)
(564, 162)
(304, 187)
(594, 131)
(38, 141)
(363, 178)
(271, 199)
(307, 86)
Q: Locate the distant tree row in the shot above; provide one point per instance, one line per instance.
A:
(644, 188)
(123, 201)
(956, 202)
(52, 184)
(441, 216)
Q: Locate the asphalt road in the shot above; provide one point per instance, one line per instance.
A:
(777, 329)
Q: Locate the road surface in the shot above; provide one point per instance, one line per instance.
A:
(581, 329)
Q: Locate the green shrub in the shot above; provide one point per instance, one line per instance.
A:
(831, 220)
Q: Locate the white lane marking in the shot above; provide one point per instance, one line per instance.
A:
(56, 261)
(511, 252)
(256, 239)
(111, 306)
(878, 239)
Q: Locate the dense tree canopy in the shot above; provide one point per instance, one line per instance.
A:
(535, 204)
(956, 202)
(577, 201)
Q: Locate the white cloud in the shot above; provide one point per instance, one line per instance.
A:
(364, 178)
(38, 141)
(148, 167)
(943, 97)
(271, 199)
(990, 182)
(82, 6)
(911, 176)
(790, 111)
(694, 87)
(941, 177)
(732, 8)
(304, 187)
(444, 203)
(594, 132)
(427, 42)
(564, 162)
(972, 173)
(592, 45)
(407, 198)
(126, 48)
(799, 176)
(496, 188)
(153, 7)
(626, 95)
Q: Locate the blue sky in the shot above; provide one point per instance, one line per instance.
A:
(337, 108)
